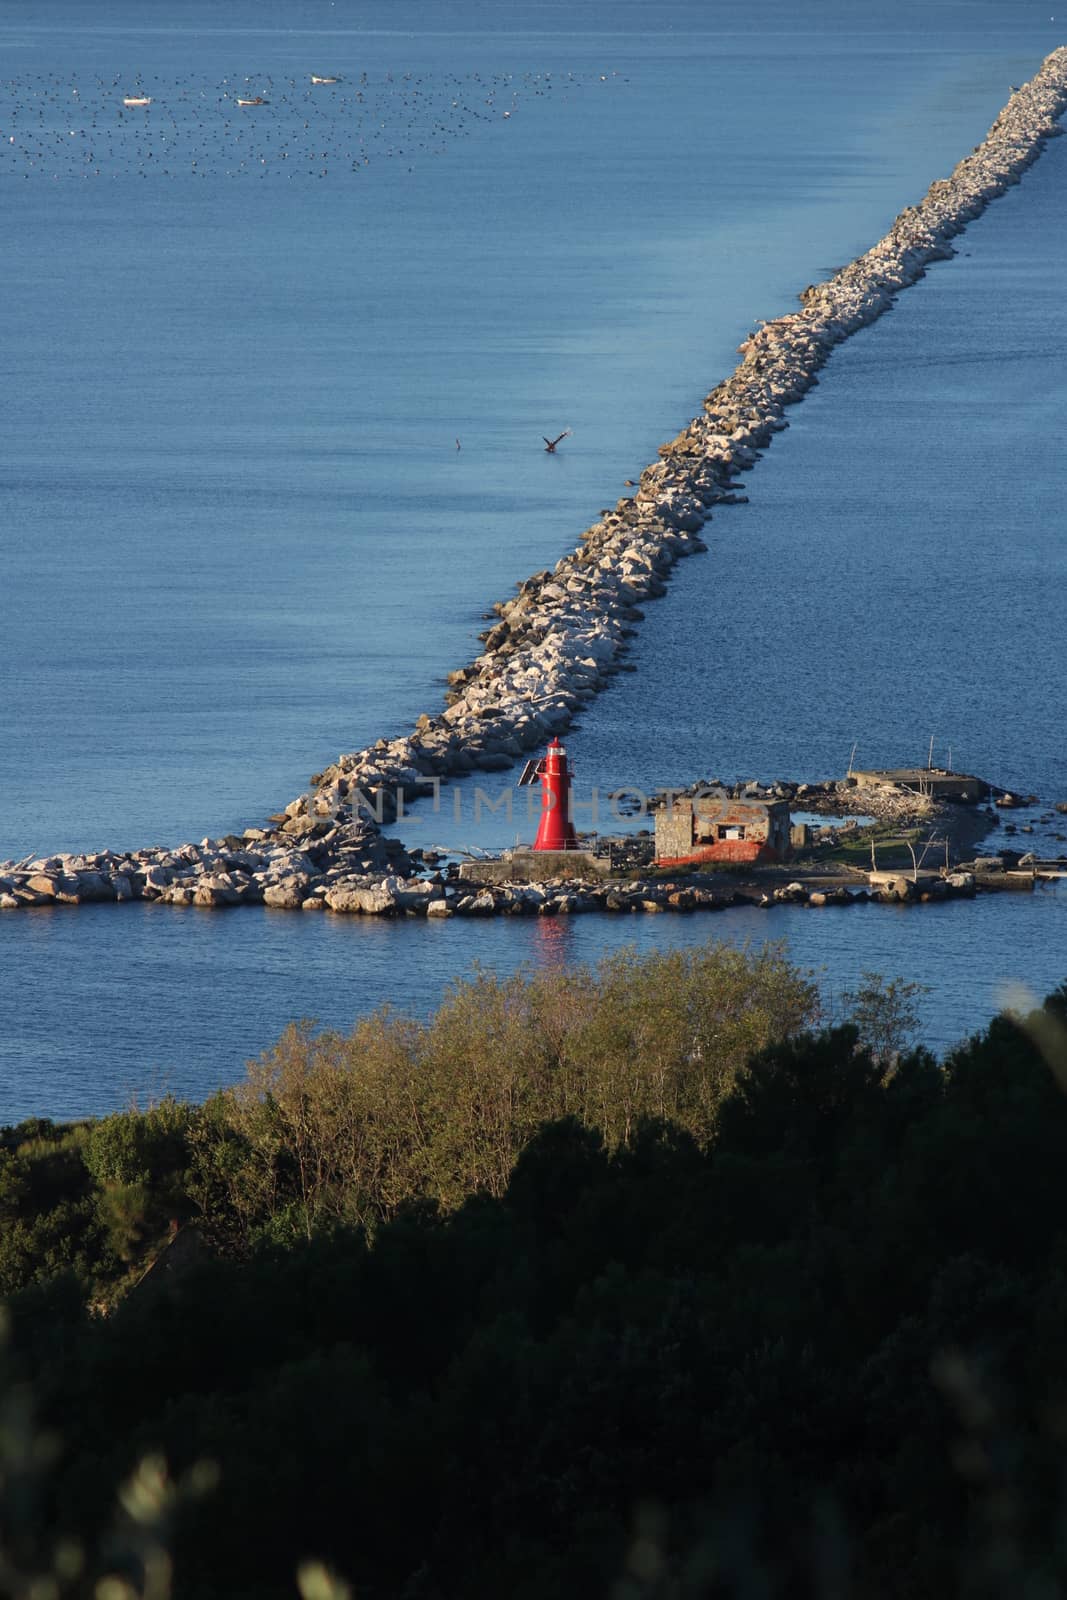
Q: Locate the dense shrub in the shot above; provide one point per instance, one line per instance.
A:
(792, 1325)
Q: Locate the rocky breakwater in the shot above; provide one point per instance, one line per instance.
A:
(562, 637)
(289, 870)
(559, 641)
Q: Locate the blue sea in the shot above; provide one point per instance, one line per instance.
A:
(240, 347)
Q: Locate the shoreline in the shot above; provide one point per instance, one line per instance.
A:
(566, 633)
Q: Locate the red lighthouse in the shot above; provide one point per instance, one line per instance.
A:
(556, 830)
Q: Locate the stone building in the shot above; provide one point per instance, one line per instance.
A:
(714, 827)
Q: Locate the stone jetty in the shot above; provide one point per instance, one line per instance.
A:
(559, 640)
(215, 876)
(274, 868)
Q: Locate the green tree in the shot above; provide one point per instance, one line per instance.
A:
(884, 1013)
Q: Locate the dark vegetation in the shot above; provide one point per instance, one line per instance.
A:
(627, 1284)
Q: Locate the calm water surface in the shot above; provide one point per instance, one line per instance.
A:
(121, 1004)
(237, 535)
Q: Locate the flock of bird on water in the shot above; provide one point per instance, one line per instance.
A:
(90, 126)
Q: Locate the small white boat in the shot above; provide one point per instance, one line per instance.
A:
(137, 100)
(256, 100)
(315, 78)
